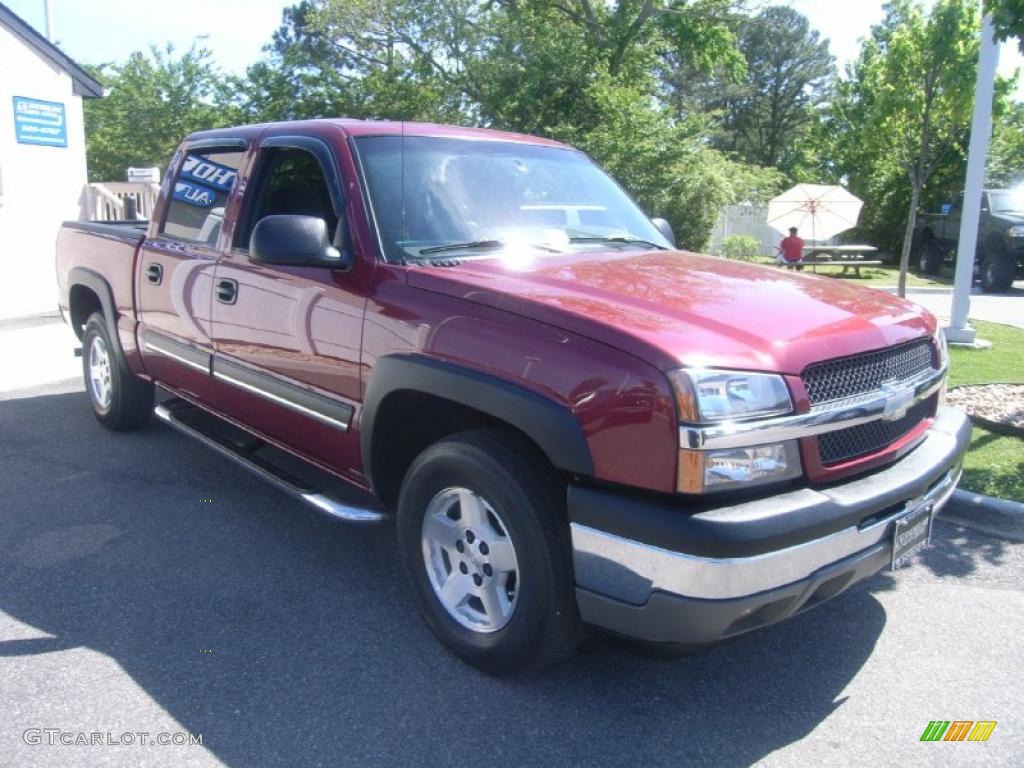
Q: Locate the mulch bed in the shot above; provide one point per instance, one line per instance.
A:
(996, 407)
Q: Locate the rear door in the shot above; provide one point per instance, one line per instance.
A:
(174, 282)
(288, 338)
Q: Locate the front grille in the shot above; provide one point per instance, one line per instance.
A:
(852, 442)
(861, 374)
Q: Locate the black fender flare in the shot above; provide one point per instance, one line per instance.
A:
(552, 426)
(96, 283)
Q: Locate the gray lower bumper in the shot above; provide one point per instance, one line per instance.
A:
(645, 586)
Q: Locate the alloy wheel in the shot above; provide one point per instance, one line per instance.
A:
(470, 560)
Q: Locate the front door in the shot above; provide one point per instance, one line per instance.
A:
(174, 280)
(288, 338)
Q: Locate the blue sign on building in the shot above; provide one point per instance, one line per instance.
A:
(40, 122)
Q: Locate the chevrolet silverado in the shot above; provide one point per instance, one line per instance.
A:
(479, 338)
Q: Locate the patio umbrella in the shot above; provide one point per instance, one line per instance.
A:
(815, 209)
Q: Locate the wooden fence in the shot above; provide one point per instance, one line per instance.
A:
(115, 200)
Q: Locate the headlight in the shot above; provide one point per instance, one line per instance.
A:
(732, 468)
(1016, 231)
(707, 395)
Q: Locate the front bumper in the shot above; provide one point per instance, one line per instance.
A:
(660, 572)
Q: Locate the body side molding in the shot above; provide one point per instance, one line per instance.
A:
(327, 410)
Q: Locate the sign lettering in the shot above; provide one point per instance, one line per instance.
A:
(40, 122)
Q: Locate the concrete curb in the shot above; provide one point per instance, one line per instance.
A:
(997, 517)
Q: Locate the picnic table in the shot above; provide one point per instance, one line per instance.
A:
(845, 256)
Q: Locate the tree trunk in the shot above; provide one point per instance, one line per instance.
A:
(908, 236)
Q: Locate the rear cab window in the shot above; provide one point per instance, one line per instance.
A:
(195, 211)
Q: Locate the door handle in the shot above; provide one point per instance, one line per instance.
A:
(155, 273)
(226, 290)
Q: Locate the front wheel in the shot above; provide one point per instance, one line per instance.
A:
(997, 273)
(484, 543)
(119, 400)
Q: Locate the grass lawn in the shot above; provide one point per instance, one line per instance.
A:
(994, 463)
(877, 277)
(1002, 364)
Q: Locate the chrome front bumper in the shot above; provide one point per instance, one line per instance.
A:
(710, 571)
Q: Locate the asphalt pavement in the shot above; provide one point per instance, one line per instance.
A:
(1006, 308)
(149, 586)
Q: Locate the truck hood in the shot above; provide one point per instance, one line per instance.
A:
(673, 308)
(1009, 217)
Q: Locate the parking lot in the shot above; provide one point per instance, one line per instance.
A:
(147, 585)
(1006, 308)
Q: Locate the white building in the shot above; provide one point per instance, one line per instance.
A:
(42, 161)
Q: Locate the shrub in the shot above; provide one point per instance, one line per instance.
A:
(742, 247)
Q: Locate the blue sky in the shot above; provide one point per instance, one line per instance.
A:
(94, 31)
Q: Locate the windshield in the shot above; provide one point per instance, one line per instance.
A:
(1009, 200)
(433, 195)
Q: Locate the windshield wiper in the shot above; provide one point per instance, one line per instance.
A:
(462, 246)
(629, 239)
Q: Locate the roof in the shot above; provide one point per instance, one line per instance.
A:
(355, 128)
(395, 128)
(83, 83)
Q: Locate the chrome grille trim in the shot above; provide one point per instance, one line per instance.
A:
(845, 377)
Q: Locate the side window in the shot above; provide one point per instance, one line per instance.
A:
(290, 181)
(196, 209)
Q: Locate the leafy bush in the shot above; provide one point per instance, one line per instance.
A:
(742, 247)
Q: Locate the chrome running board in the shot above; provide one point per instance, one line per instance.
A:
(171, 412)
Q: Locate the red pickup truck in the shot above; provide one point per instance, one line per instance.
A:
(480, 337)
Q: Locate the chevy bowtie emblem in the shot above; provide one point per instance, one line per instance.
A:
(897, 401)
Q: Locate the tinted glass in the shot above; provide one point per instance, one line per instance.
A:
(293, 183)
(1009, 200)
(201, 189)
(430, 192)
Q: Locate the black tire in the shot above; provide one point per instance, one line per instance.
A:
(930, 258)
(997, 273)
(521, 487)
(130, 398)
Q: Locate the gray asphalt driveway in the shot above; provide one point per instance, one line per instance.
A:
(1006, 308)
(146, 585)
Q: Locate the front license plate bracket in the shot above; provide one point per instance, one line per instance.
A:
(911, 533)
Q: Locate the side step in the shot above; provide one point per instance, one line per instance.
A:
(196, 423)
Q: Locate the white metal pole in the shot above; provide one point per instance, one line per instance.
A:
(981, 127)
(48, 10)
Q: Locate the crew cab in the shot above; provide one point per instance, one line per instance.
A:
(478, 337)
(1000, 246)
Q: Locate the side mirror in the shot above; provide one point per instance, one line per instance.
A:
(666, 229)
(295, 241)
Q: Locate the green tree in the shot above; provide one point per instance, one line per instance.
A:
(573, 70)
(768, 116)
(1008, 18)
(905, 109)
(1005, 167)
(152, 101)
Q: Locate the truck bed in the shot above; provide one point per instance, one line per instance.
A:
(108, 249)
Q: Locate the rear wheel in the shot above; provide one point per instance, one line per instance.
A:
(997, 272)
(930, 258)
(119, 399)
(484, 543)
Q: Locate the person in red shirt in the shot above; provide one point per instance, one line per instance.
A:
(791, 250)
